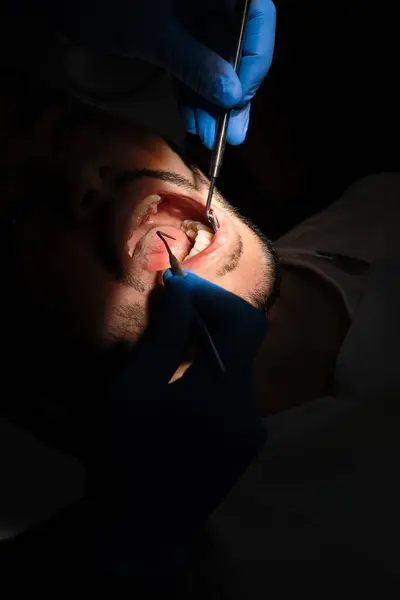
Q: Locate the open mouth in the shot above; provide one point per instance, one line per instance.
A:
(178, 216)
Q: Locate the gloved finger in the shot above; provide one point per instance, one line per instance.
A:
(238, 125)
(205, 127)
(230, 320)
(160, 351)
(200, 122)
(258, 46)
(189, 119)
(204, 71)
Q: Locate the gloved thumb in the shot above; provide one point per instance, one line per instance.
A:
(200, 68)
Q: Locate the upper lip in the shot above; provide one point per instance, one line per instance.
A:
(134, 211)
(141, 208)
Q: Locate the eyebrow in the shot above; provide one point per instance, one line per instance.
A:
(168, 176)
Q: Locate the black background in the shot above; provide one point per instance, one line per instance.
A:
(327, 113)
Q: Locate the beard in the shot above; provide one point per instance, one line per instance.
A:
(130, 321)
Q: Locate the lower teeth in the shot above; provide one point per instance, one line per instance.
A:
(200, 234)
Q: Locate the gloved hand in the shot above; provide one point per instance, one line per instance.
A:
(219, 84)
(165, 455)
(167, 33)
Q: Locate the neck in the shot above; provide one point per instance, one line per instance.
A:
(307, 328)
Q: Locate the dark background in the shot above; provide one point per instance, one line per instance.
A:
(327, 113)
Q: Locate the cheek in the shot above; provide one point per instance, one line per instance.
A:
(255, 273)
(63, 277)
(250, 273)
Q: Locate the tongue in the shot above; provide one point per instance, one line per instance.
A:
(151, 253)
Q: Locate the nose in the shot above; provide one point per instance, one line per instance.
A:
(96, 190)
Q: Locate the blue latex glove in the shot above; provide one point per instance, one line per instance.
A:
(230, 319)
(220, 84)
(167, 33)
(165, 455)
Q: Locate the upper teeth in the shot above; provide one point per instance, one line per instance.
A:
(152, 203)
(199, 233)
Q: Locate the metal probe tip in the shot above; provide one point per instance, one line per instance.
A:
(208, 210)
(162, 235)
(173, 261)
(177, 270)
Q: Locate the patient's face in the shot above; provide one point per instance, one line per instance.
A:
(88, 254)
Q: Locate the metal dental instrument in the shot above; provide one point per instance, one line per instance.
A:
(173, 261)
(222, 127)
(202, 327)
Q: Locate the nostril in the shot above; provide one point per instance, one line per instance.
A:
(103, 171)
(90, 199)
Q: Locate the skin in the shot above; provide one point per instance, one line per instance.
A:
(77, 269)
(307, 327)
(74, 277)
(75, 284)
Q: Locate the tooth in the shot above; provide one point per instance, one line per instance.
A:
(153, 198)
(200, 245)
(191, 234)
(188, 224)
(205, 235)
(203, 239)
(199, 233)
(193, 252)
(152, 203)
(202, 227)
